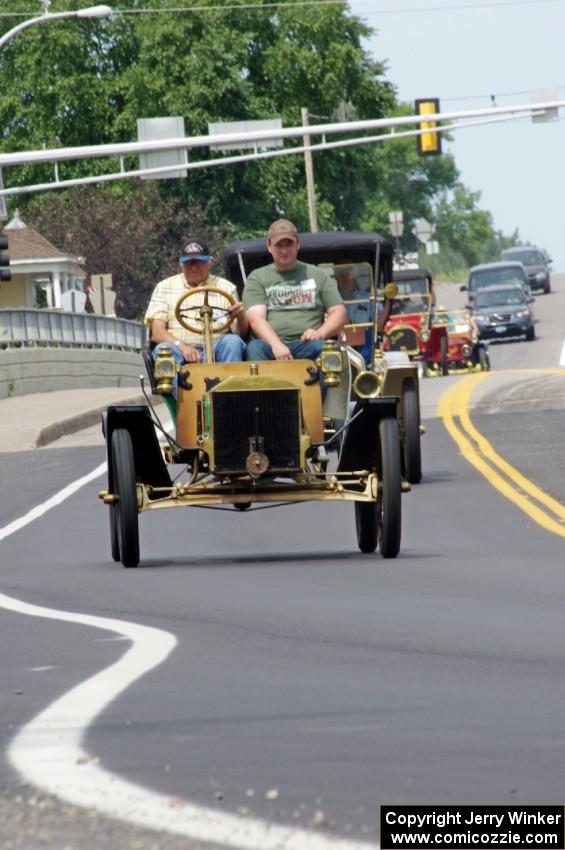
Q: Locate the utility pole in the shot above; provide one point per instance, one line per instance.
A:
(309, 168)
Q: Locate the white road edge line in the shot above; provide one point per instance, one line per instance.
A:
(562, 358)
(48, 750)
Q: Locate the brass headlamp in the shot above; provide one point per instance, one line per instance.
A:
(368, 384)
(330, 363)
(165, 370)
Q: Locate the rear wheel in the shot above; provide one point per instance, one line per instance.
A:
(126, 517)
(411, 422)
(444, 363)
(483, 360)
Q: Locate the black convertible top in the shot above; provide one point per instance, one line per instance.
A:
(336, 246)
(410, 274)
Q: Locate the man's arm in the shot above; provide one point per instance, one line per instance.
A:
(241, 324)
(262, 329)
(336, 318)
(160, 333)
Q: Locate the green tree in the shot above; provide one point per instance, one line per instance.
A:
(135, 235)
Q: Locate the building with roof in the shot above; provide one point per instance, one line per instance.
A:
(42, 275)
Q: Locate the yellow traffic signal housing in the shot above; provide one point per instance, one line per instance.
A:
(429, 142)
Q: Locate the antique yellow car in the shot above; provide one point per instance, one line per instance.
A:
(257, 433)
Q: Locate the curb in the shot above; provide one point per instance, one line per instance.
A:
(56, 430)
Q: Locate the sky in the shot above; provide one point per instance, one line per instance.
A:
(464, 52)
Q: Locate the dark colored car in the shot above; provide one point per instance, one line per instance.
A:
(495, 274)
(504, 311)
(535, 261)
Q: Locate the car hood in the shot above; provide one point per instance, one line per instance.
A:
(502, 309)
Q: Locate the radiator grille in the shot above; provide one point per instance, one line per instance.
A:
(273, 414)
(403, 339)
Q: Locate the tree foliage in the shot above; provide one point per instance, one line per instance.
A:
(135, 235)
(85, 82)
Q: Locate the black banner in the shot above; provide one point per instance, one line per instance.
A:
(472, 827)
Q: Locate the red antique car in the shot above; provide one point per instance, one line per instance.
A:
(464, 348)
(410, 328)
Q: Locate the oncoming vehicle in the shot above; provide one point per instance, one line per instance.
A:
(536, 263)
(256, 434)
(504, 311)
(495, 274)
(410, 328)
(464, 348)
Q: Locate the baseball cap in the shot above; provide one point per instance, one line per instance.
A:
(281, 229)
(194, 248)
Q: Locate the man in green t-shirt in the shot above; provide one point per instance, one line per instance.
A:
(292, 307)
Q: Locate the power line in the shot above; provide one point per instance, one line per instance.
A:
(233, 7)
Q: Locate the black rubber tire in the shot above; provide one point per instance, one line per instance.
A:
(242, 506)
(531, 335)
(379, 523)
(444, 363)
(127, 522)
(367, 526)
(389, 511)
(114, 541)
(411, 422)
(483, 360)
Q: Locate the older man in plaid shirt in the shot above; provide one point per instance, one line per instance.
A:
(196, 263)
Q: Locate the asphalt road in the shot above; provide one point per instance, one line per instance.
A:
(309, 683)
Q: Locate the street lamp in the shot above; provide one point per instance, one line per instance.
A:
(90, 12)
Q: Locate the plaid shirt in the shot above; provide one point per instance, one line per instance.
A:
(167, 293)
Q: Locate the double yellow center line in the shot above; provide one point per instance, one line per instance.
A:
(454, 411)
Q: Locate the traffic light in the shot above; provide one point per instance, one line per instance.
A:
(429, 143)
(5, 273)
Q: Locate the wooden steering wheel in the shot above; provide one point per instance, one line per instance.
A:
(197, 323)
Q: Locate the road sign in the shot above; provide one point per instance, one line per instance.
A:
(432, 247)
(155, 130)
(218, 128)
(545, 96)
(396, 220)
(101, 281)
(73, 300)
(422, 229)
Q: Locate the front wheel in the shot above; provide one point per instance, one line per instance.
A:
(483, 360)
(388, 505)
(411, 423)
(126, 517)
(378, 523)
(443, 356)
(531, 334)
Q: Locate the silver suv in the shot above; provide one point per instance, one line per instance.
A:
(535, 261)
(495, 274)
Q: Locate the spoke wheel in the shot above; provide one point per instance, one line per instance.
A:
(444, 363)
(196, 323)
(127, 523)
(378, 524)
(412, 443)
(388, 505)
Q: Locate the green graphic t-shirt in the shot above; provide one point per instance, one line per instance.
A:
(295, 300)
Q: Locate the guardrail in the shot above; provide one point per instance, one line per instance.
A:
(55, 328)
